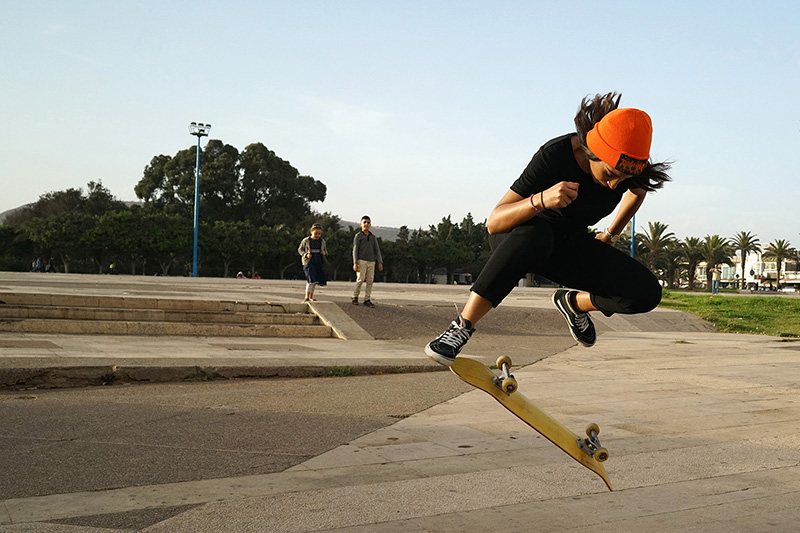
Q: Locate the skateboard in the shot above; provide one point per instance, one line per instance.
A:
(503, 388)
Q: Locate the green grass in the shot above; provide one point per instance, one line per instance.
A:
(342, 371)
(761, 315)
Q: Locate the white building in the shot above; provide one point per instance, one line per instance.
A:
(759, 273)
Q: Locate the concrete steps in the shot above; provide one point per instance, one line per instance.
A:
(107, 315)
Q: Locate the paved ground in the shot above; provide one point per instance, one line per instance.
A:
(702, 429)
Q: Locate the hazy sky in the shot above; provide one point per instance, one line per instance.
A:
(408, 111)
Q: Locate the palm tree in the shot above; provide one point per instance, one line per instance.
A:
(716, 250)
(778, 250)
(673, 262)
(692, 254)
(656, 240)
(745, 243)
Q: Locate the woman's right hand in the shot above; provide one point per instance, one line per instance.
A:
(560, 195)
(513, 209)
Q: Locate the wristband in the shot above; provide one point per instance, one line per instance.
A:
(534, 205)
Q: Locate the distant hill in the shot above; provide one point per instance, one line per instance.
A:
(6, 214)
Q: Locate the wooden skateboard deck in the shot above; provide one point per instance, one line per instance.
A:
(586, 451)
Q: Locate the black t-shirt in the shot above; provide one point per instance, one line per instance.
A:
(554, 163)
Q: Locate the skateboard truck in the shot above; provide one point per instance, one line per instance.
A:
(591, 444)
(506, 381)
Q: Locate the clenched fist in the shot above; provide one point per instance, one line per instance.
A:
(560, 195)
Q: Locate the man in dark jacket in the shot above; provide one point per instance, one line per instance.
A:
(366, 253)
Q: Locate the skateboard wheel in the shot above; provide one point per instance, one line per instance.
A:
(601, 454)
(509, 385)
(592, 428)
(503, 359)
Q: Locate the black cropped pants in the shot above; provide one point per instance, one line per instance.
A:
(617, 283)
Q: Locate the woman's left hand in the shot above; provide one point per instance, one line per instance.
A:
(603, 236)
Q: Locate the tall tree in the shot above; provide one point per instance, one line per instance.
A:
(125, 231)
(99, 200)
(656, 239)
(62, 234)
(673, 261)
(778, 250)
(692, 255)
(168, 182)
(219, 181)
(745, 243)
(167, 239)
(476, 238)
(226, 241)
(273, 191)
(16, 248)
(445, 230)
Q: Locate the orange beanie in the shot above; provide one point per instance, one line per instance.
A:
(622, 139)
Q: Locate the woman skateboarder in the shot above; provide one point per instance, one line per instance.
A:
(541, 225)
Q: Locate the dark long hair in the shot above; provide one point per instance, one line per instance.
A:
(591, 111)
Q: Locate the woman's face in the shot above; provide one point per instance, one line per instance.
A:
(606, 175)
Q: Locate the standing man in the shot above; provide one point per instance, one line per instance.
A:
(716, 275)
(366, 252)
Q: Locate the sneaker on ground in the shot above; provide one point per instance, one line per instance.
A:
(580, 325)
(444, 348)
(368, 303)
(355, 301)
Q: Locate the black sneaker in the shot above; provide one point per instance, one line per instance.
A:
(368, 303)
(444, 348)
(580, 325)
(355, 301)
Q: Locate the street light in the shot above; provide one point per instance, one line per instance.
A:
(199, 130)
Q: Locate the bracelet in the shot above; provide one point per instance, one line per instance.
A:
(541, 200)
(613, 238)
(534, 205)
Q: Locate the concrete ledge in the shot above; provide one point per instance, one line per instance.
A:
(342, 326)
(105, 327)
(103, 375)
(144, 302)
(155, 315)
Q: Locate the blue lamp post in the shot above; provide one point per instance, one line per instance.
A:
(633, 232)
(199, 130)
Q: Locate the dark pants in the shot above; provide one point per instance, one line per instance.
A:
(617, 283)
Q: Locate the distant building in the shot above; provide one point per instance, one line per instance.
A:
(759, 274)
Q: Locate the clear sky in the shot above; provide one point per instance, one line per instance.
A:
(408, 111)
